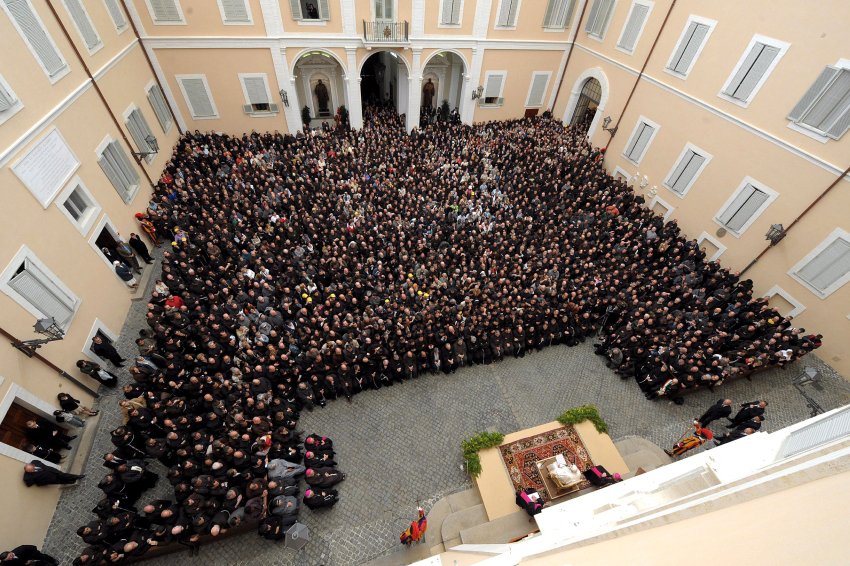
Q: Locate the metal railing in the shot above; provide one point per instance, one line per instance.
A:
(385, 32)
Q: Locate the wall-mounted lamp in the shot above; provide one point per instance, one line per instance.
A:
(46, 327)
(477, 92)
(284, 97)
(775, 234)
(607, 122)
(153, 145)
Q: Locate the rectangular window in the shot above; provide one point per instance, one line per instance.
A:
(119, 170)
(116, 14)
(642, 135)
(235, 11)
(825, 107)
(38, 290)
(493, 88)
(165, 11)
(140, 132)
(309, 10)
(537, 89)
(255, 87)
(384, 10)
(690, 164)
(78, 205)
(753, 69)
(40, 43)
(84, 25)
(450, 12)
(690, 44)
(508, 10)
(600, 15)
(745, 206)
(9, 103)
(634, 26)
(558, 14)
(160, 107)
(196, 92)
(827, 268)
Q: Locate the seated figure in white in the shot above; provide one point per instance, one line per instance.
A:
(564, 475)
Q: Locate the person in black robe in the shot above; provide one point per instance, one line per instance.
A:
(38, 473)
(107, 351)
(140, 248)
(26, 554)
(748, 411)
(720, 410)
(317, 498)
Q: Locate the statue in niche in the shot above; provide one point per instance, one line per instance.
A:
(428, 92)
(322, 96)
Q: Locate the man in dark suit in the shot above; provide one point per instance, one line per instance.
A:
(25, 554)
(748, 411)
(753, 423)
(721, 409)
(38, 473)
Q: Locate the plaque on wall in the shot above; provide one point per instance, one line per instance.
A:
(46, 167)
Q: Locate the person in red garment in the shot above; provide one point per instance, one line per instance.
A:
(416, 531)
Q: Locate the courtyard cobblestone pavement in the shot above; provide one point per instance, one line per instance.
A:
(401, 445)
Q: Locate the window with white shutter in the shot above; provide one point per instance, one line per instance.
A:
(537, 89)
(599, 17)
(8, 100)
(78, 205)
(160, 107)
(508, 11)
(493, 87)
(28, 281)
(558, 14)
(384, 10)
(140, 132)
(745, 205)
(690, 44)
(753, 69)
(235, 12)
(116, 14)
(83, 24)
(641, 137)
(256, 90)
(30, 27)
(825, 108)
(634, 26)
(197, 95)
(450, 11)
(827, 268)
(690, 164)
(165, 11)
(119, 170)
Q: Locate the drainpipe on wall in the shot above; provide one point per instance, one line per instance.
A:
(800, 216)
(99, 92)
(576, 29)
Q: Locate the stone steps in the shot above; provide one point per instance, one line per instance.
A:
(500, 531)
(84, 444)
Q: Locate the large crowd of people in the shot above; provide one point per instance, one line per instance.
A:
(306, 269)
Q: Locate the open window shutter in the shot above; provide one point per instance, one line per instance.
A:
(83, 23)
(594, 13)
(116, 14)
(566, 13)
(235, 11)
(630, 34)
(604, 15)
(139, 130)
(827, 267)
(493, 88)
(826, 76)
(832, 103)
(37, 288)
(759, 69)
(36, 35)
(256, 89)
(160, 107)
(295, 6)
(199, 98)
(324, 10)
(118, 169)
(841, 124)
(165, 11)
(538, 90)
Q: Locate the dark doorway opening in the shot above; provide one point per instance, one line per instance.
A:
(588, 102)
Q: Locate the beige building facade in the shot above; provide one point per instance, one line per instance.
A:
(729, 118)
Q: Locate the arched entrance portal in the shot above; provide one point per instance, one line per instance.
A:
(588, 102)
(319, 85)
(383, 81)
(442, 83)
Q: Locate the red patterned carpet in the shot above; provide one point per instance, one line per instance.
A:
(521, 456)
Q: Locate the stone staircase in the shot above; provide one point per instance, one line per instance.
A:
(641, 454)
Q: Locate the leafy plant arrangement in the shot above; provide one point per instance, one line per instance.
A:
(583, 413)
(473, 444)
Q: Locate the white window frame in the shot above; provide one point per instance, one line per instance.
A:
(119, 29)
(688, 147)
(96, 326)
(98, 152)
(604, 32)
(130, 109)
(825, 243)
(83, 225)
(650, 5)
(496, 25)
(771, 196)
(24, 253)
(17, 105)
(641, 120)
(802, 128)
(375, 15)
(104, 223)
(165, 128)
(182, 21)
(180, 78)
(692, 19)
(91, 50)
(548, 75)
(763, 39)
(322, 21)
(224, 21)
(17, 394)
(571, 12)
(715, 242)
(658, 200)
(620, 171)
(777, 290)
(501, 97)
(459, 23)
(258, 113)
(59, 74)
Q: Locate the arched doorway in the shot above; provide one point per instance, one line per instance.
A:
(442, 83)
(588, 102)
(320, 86)
(383, 81)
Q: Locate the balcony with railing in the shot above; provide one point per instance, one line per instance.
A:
(385, 32)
